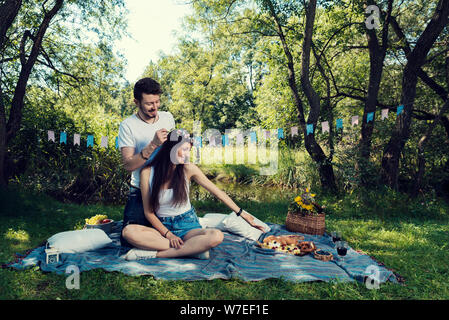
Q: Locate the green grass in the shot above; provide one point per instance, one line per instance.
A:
(410, 236)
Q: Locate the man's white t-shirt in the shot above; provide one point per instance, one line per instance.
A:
(137, 134)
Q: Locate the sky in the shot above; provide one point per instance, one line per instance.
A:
(151, 25)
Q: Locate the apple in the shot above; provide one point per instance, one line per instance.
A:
(105, 220)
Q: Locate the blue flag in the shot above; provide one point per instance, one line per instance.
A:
(63, 138)
(253, 136)
(280, 133)
(369, 117)
(400, 109)
(309, 128)
(116, 142)
(198, 142)
(225, 140)
(339, 123)
(90, 140)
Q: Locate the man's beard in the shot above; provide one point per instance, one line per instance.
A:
(147, 115)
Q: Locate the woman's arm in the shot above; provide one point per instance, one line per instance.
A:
(199, 177)
(148, 211)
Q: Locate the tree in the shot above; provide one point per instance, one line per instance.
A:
(377, 53)
(27, 49)
(415, 60)
(27, 63)
(313, 148)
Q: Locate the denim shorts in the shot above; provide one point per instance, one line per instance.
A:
(181, 224)
(133, 213)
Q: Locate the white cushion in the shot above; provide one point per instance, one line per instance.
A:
(79, 240)
(239, 226)
(213, 220)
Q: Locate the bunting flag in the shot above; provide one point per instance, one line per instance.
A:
(239, 139)
(198, 142)
(280, 133)
(294, 131)
(309, 128)
(90, 140)
(63, 138)
(104, 142)
(51, 135)
(267, 134)
(212, 141)
(339, 124)
(253, 136)
(225, 140)
(76, 139)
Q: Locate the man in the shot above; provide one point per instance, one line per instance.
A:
(139, 137)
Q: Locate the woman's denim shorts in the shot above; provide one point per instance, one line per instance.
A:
(181, 224)
(134, 214)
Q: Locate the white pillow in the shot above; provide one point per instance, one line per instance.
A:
(79, 240)
(239, 226)
(213, 220)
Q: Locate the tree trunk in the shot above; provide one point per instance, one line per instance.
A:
(325, 168)
(8, 13)
(3, 180)
(9, 131)
(377, 55)
(423, 141)
(415, 60)
(421, 149)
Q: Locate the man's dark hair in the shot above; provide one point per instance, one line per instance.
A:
(147, 86)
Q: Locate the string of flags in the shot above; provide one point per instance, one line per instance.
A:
(225, 139)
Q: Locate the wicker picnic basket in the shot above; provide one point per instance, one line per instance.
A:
(309, 224)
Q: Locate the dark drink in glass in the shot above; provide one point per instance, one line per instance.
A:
(336, 236)
(342, 251)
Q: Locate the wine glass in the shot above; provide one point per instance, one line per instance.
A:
(342, 249)
(336, 236)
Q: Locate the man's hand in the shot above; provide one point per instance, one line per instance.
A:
(250, 219)
(160, 137)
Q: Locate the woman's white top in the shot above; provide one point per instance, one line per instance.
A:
(166, 206)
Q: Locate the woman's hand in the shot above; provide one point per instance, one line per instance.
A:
(175, 242)
(250, 219)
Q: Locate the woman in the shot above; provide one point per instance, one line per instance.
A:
(170, 227)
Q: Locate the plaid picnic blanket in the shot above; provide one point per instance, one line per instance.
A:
(235, 257)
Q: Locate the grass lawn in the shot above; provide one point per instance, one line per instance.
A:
(409, 236)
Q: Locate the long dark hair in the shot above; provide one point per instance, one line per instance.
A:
(162, 165)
